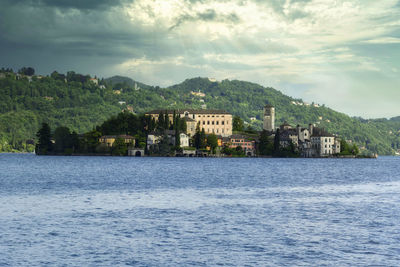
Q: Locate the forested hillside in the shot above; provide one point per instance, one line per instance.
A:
(81, 102)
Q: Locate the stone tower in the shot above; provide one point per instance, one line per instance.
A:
(269, 118)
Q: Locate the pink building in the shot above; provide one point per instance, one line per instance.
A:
(249, 146)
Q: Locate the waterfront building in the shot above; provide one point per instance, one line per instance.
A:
(213, 121)
(310, 142)
(110, 139)
(322, 143)
(248, 145)
(154, 139)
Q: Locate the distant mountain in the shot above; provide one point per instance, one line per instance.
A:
(81, 104)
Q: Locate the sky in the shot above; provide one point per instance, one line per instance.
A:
(344, 54)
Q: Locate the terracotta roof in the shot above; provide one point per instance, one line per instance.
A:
(191, 111)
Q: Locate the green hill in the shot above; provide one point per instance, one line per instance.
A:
(77, 102)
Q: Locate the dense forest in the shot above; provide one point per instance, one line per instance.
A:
(80, 102)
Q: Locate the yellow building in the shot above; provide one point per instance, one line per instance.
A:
(110, 139)
(214, 121)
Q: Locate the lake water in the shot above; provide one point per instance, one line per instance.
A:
(120, 211)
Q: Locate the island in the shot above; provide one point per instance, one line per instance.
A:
(194, 133)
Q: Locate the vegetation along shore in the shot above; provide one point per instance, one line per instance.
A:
(82, 103)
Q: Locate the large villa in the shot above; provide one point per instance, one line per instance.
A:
(213, 121)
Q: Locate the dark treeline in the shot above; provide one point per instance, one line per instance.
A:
(66, 142)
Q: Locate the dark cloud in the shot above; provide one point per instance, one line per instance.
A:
(67, 4)
(208, 15)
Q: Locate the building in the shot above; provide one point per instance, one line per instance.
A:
(136, 152)
(269, 118)
(322, 143)
(94, 80)
(190, 126)
(218, 122)
(248, 145)
(110, 139)
(310, 142)
(199, 94)
(154, 139)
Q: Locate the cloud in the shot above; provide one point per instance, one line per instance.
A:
(276, 43)
(67, 4)
(383, 40)
(207, 15)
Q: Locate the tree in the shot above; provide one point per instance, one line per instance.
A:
(177, 139)
(164, 147)
(212, 142)
(29, 71)
(62, 137)
(161, 121)
(44, 145)
(277, 142)
(166, 121)
(265, 146)
(197, 137)
(119, 148)
(237, 124)
(354, 150)
(92, 140)
(75, 144)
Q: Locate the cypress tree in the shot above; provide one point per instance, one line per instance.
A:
(166, 120)
(44, 145)
(161, 120)
(276, 142)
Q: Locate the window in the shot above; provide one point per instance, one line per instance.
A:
(222, 130)
(204, 122)
(208, 122)
(212, 122)
(217, 130)
(217, 122)
(326, 140)
(222, 122)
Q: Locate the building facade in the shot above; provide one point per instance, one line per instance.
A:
(269, 118)
(110, 139)
(248, 146)
(217, 122)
